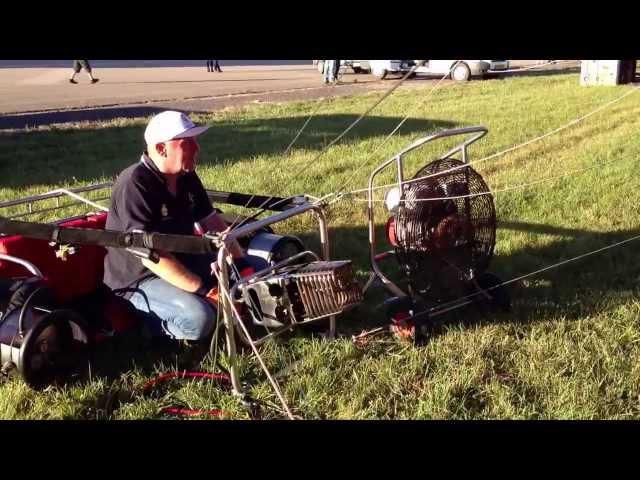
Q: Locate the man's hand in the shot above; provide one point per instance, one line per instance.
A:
(212, 296)
(213, 223)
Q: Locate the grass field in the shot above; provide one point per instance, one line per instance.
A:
(570, 347)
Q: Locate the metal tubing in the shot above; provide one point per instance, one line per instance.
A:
(26, 264)
(228, 318)
(51, 209)
(326, 254)
(258, 224)
(393, 288)
(53, 194)
(479, 130)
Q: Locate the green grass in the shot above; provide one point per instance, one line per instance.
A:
(569, 349)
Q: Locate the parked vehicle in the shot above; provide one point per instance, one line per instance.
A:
(498, 65)
(462, 70)
(379, 68)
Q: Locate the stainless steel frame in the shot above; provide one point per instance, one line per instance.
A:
(35, 271)
(476, 133)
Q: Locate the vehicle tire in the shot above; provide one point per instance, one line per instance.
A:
(461, 72)
(357, 70)
(320, 66)
(381, 74)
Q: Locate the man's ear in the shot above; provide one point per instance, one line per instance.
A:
(161, 149)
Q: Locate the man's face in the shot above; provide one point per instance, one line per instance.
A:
(181, 155)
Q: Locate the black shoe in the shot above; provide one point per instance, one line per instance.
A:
(71, 80)
(95, 80)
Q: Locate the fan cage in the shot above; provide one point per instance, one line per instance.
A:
(442, 244)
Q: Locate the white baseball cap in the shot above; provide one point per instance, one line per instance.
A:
(170, 125)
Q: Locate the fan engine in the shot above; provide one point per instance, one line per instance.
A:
(298, 294)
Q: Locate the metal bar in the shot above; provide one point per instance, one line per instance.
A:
(228, 319)
(258, 224)
(400, 172)
(26, 264)
(392, 287)
(326, 254)
(463, 146)
(253, 201)
(480, 130)
(51, 209)
(367, 285)
(53, 194)
(82, 199)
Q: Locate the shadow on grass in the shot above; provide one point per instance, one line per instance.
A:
(110, 361)
(572, 291)
(540, 73)
(28, 120)
(86, 154)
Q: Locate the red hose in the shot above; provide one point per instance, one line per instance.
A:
(184, 374)
(190, 412)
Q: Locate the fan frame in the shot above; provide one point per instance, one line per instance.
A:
(473, 134)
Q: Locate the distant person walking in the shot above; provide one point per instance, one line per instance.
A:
(331, 68)
(213, 66)
(77, 66)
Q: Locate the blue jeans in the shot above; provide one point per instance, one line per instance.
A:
(173, 312)
(329, 70)
(170, 311)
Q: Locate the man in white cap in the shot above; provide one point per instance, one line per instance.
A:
(162, 193)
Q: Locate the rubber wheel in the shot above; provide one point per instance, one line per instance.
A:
(357, 70)
(51, 353)
(461, 73)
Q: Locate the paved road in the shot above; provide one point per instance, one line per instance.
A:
(37, 96)
(40, 96)
(142, 63)
(42, 89)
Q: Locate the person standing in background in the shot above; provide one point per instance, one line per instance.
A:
(213, 66)
(329, 71)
